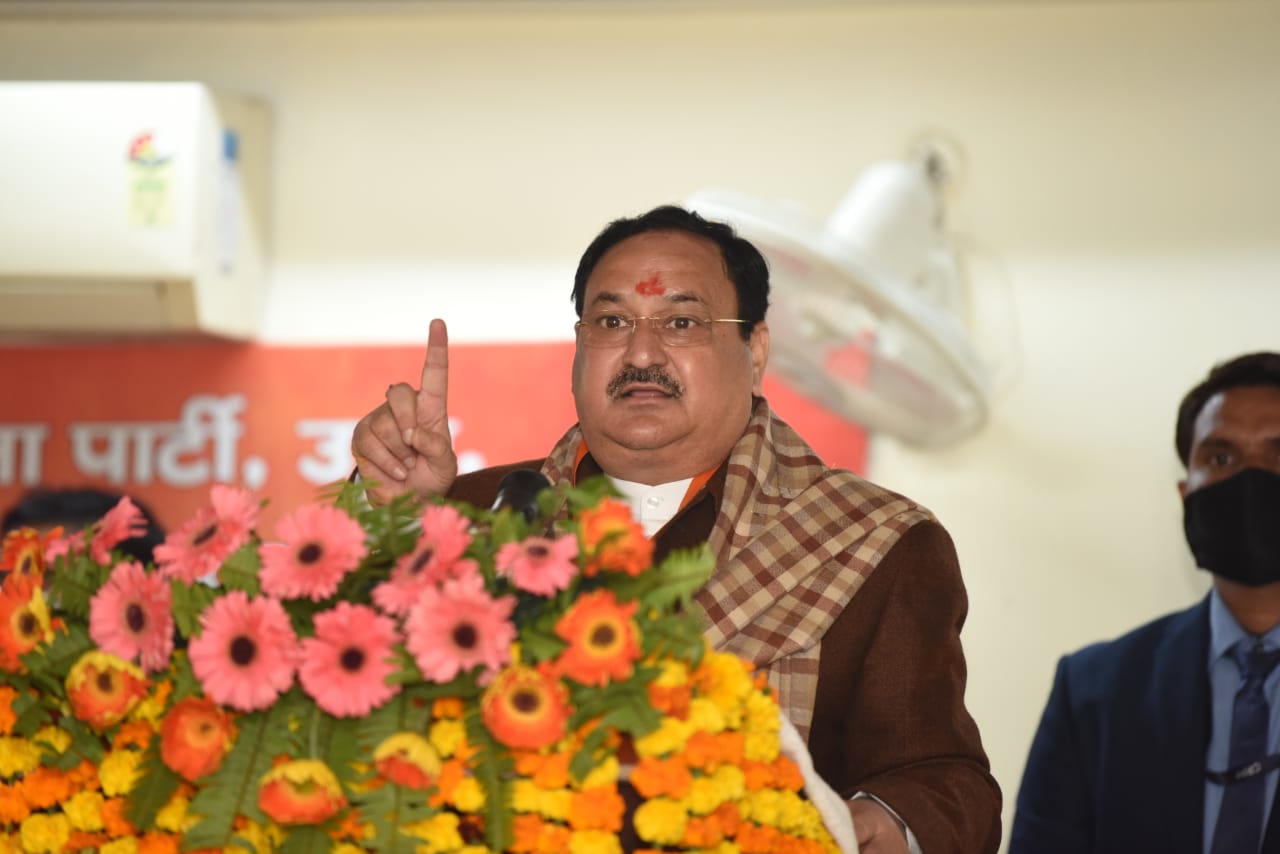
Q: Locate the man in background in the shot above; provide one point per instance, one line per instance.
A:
(1166, 739)
(848, 596)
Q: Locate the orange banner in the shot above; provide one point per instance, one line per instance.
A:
(162, 421)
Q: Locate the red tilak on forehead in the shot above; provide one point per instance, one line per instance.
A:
(650, 287)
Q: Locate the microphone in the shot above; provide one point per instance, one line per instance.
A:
(519, 491)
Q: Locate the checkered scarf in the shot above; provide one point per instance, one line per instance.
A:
(793, 540)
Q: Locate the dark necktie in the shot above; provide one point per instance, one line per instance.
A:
(1239, 828)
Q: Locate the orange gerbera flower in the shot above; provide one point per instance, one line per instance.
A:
(612, 540)
(524, 707)
(596, 808)
(407, 759)
(24, 621)
(301, 791)
(102, 688)
(602, 639)
(195, 736)
(24, 553)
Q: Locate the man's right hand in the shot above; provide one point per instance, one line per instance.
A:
(404, 445)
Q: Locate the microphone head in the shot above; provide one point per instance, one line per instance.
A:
(519, 490)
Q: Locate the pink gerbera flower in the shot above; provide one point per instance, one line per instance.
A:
(346, 665)
(120, 523)
(459, 626)
(246, 652)
(60, 545)
(538, 564)
(200, 546)
(321, 545)
(435, 557)
(130, 616)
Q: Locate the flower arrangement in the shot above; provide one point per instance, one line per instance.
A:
(415, 677)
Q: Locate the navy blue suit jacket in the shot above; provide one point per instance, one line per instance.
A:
(1117, 764)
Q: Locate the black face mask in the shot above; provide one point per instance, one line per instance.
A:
(1233, 527)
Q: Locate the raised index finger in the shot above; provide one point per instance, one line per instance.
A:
(433, 394)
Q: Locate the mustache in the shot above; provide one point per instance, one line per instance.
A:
(653, 375)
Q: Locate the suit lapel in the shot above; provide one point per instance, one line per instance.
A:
(1179, 710)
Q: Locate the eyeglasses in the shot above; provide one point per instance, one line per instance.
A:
(673, 330)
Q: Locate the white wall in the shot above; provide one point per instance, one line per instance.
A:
(1120, 159)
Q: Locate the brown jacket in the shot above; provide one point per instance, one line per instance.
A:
(889, 717)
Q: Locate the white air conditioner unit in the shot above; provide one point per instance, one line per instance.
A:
(130, 208)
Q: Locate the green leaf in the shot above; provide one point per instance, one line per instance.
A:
(73, 583)
(306, 840)
(240, 571)
(233, 788)
(156, 785)
(493, 769)
(189, 602)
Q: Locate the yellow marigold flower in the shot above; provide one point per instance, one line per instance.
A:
(554, 803)
(346, 848)
(706, 715)
(152, 707)
(669, 737)
(44, 833)
(601, 775)
(762, 807)
(660, 821)
(724, 678)
(468, 795)
(760, 746)
(10, 843)
(446, 736)
(798, 816)
(118, 772)
(762, 714)
(54, 738)
(265, 838)
(731, 782)
(173, 816)
(704, 796)
(674, 673)
(17, 756)
(524, 796)
(475, 849)
(84, 810)
(594, 842)
(127, 845)
(440, 832)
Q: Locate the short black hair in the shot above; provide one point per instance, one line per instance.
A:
(743, 263)
(1253, 369)
(77, 508)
